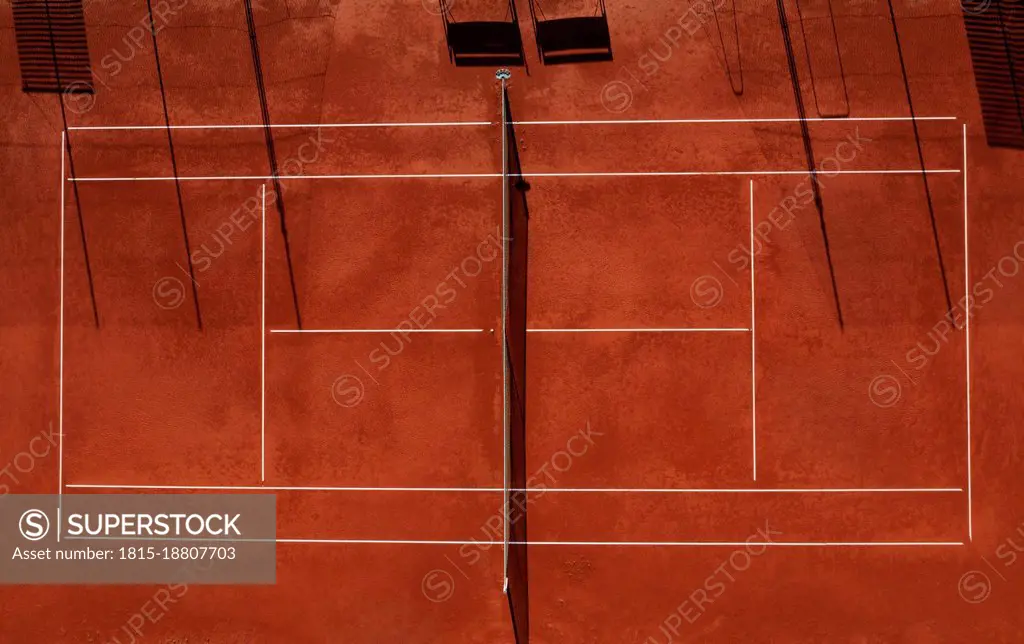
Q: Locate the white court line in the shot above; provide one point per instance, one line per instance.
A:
(263, 338)
(527, 175)
(644, 330)
(455, 542)
(283, 488)
(726, 490)
(283, 177)
(379, 330)
(536, 330)
(282, 126)
(831, 490)
(60, 368)
(967, 292)
(753, 340)
(779, 544)
(762, 120)
(301, 488)
(727, 173)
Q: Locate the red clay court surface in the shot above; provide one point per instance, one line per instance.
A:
(712, 457)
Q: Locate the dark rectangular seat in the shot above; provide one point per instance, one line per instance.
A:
(582, 32)
(574, 39)
(485, 39)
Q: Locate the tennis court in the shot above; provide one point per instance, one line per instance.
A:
(592, 356)
(520, 365)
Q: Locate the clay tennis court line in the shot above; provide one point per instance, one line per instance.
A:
(731, 544)
(753, 342)
(790, 544)
(478, 123)
(279, 126)
(531, 330)
(545, 490)
(644, 330)
(378, 330)
(472, 542)
(494, 175)
(263, 336)
(752, 120)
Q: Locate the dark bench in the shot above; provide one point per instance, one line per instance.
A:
(480, 38)
(577, 39)
(479, 42)
(585, 32)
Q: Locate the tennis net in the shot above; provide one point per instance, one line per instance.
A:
(514, 224)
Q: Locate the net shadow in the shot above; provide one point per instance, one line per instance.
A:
(515, 354)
